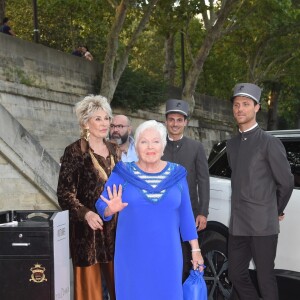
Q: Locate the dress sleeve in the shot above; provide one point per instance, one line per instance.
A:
(68, 181)
(187, 222)
(100, 204)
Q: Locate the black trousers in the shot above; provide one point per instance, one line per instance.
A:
(241, 249)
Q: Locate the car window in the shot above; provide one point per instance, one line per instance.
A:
(219, 163)
(220, 167)
(216, 150)
(293, 154)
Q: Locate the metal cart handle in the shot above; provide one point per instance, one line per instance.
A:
(20, 244)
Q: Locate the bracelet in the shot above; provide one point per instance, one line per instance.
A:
(196, 250)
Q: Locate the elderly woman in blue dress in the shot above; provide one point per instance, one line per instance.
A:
(153, 202)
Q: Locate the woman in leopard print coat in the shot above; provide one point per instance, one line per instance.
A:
(85, 166)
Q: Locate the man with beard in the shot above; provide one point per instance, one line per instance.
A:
(120, 132)
(190, 154)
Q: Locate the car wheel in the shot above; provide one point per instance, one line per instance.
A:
(214, 250)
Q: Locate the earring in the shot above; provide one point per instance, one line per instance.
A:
(86, 134)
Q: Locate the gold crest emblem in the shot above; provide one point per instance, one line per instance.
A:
(38, 273)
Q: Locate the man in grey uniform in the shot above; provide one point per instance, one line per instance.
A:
(262, 184)
(190, 154)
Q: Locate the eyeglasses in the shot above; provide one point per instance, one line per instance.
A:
(112, 126)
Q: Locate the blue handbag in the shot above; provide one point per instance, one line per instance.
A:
(194, 288)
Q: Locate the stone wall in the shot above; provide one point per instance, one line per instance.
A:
(35, 65)
(17, 192)
(38, 89)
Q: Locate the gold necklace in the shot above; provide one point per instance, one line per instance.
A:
(99, 168)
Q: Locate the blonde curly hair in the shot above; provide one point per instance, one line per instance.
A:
(85, 108)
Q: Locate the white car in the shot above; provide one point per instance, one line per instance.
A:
(214, 238)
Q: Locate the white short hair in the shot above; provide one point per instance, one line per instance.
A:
(151, 124)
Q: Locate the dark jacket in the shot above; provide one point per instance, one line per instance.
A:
(79, 187)
(190, 154)
(261, 183)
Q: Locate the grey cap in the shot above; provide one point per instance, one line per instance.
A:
(177, 106)
(249, 90)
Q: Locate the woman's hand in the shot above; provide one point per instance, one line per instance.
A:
(114, 204)
(197, 261)
(94, 220)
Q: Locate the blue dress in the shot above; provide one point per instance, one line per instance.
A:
(148, 255)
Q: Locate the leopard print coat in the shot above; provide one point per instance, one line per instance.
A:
(79, 187)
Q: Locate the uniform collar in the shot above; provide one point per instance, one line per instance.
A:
(172, 140)
(249, 128)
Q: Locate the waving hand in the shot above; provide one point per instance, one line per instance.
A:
(114, 204)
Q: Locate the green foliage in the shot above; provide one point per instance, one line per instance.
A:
(20, 14)
(148, 54)
(222, 70)
(261, 46)
(289, 106)
(137, 90)
(63, 24)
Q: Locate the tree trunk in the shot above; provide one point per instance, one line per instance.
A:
(2, 10)
(108, 84)
(170, 65)
(273, 107)
(114, 64)
(212, 35)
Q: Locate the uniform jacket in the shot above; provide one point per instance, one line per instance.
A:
(261, 183)
(79, 187)
(190, 154)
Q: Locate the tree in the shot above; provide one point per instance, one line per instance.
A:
(64, 24)
(116, 59)
(226, 41)
(110, 28)
(212, 22)
(269, 45)
(215, 29)
(262, 47)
